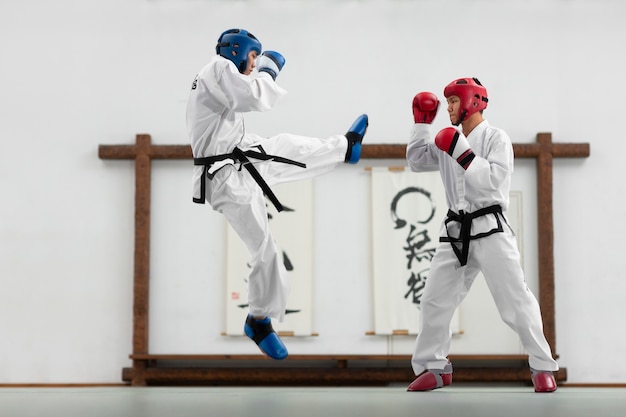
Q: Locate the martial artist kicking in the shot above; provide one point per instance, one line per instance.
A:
(234, 168)
(476, 163)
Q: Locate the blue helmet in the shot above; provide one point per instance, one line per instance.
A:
(235, 45)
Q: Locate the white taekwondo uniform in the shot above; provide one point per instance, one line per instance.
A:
(219, 97)
(476, 198)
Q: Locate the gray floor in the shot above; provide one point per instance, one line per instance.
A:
(457, 401)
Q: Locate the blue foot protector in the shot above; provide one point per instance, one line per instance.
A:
(355, 153)
(355, 137)
(263, 334)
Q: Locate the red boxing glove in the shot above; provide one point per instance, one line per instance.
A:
(425, 107)
(456, 145)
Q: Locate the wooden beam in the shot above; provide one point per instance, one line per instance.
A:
(321, 376)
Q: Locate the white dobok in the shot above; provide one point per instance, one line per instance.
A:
(219, 97)
(491, 247)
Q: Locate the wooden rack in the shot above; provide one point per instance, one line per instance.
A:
(150, 369)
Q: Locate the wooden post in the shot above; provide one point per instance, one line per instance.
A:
(544, 151)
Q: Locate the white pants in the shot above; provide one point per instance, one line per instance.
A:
(236, 195)
(497, 256)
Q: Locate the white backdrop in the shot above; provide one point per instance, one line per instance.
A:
(78, 74)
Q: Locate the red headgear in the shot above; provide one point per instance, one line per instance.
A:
(472, 94)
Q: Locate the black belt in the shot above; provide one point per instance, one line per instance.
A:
(460, 245)
(242, 157)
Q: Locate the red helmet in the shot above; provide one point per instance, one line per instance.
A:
(472, 94)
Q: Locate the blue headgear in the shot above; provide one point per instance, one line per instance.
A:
(235, 45)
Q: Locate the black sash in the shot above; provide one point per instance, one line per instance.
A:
(460, 245)
(242, 157)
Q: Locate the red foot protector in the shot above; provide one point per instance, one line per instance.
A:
(544, 381)
(428, 380)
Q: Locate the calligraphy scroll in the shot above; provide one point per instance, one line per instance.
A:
(292, 230)
(407, 210)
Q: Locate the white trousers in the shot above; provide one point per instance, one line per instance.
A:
(497, 256)
(234, 193)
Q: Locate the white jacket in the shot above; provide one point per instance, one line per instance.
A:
(218, 97)
(486, 182)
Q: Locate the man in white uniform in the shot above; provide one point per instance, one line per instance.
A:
(476, 163)
(234, 169)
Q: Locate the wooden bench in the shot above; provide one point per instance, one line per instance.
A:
(314, 370)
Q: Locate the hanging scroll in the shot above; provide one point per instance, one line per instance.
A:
(407, 210)
(292, 230)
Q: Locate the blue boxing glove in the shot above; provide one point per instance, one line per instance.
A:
(271, 62)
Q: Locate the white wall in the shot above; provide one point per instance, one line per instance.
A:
(76, 74)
